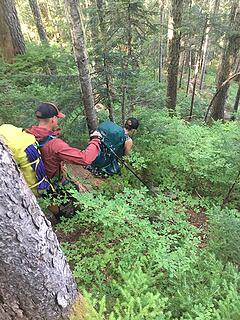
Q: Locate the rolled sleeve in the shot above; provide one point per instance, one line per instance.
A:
(76, 156)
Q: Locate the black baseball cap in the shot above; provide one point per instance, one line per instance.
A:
(48, 110)
(132, 123)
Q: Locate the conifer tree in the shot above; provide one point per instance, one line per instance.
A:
(11, 38)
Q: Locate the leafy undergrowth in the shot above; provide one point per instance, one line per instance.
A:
(140, 257)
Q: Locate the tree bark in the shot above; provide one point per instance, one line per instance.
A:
(230, 48)
(197, 68)
(5, 38)
(237, 99)
(204, 59)
(189, 69)
(174, 53)
(38, 20)
(160, 64)
(82, 63)
(213, 9)
(35, 279)
(106, 65)
(182, 64)
(126, 61)
(11, 38)
(95, 38)
(223, 85)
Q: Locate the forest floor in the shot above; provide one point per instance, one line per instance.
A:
(198, 219)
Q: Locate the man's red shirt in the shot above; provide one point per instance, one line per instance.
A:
(56, 151)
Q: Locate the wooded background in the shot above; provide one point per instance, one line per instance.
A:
(176, 41)
(175, 65)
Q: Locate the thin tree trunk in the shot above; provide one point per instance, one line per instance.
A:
(38, 20)
(160, 64)
(212, 10)
(174, 52)
(82, 63)
(204, 56)
(101, 6)
(182, 64)
(123, 104)
(189, 69)
(108, 89)
(12, 42)
(216, 6)
(35, 279)
(204, 59)
(126, 65)
(95, 37)
(196, 69)
(237, 99)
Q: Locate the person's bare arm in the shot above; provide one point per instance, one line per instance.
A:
(128, 146)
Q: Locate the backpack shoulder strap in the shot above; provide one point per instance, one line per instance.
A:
(45, 140)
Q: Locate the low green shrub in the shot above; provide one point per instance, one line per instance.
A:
(138, 256)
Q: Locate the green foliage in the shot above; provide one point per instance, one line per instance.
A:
(224, 235)
(136, 257)
(44, 74)
(189, 156)
(139, 257)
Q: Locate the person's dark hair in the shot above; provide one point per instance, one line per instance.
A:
(131, 123)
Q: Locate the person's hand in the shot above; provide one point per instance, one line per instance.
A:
(96, 134)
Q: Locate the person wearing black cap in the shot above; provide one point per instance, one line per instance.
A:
(56, 151)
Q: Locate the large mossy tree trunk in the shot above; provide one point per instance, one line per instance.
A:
(174, 52)
(38, 20)
(11, 38)
(35, 279)
(82, 63)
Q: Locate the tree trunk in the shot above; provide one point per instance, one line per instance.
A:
(189, 69)
(35, 279)
(82, 63)
(38, 20)
(231, 42)
(204, 59)
(197, 68)
(160, 64)
(107, 69)
(11, 38)
(5, 38)
(213, 9)
(223, 85)
(182, 64)
(128, 56)
(174, 52)
(237, 99)
(95, 37)
(224, 71)
(123, 104)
